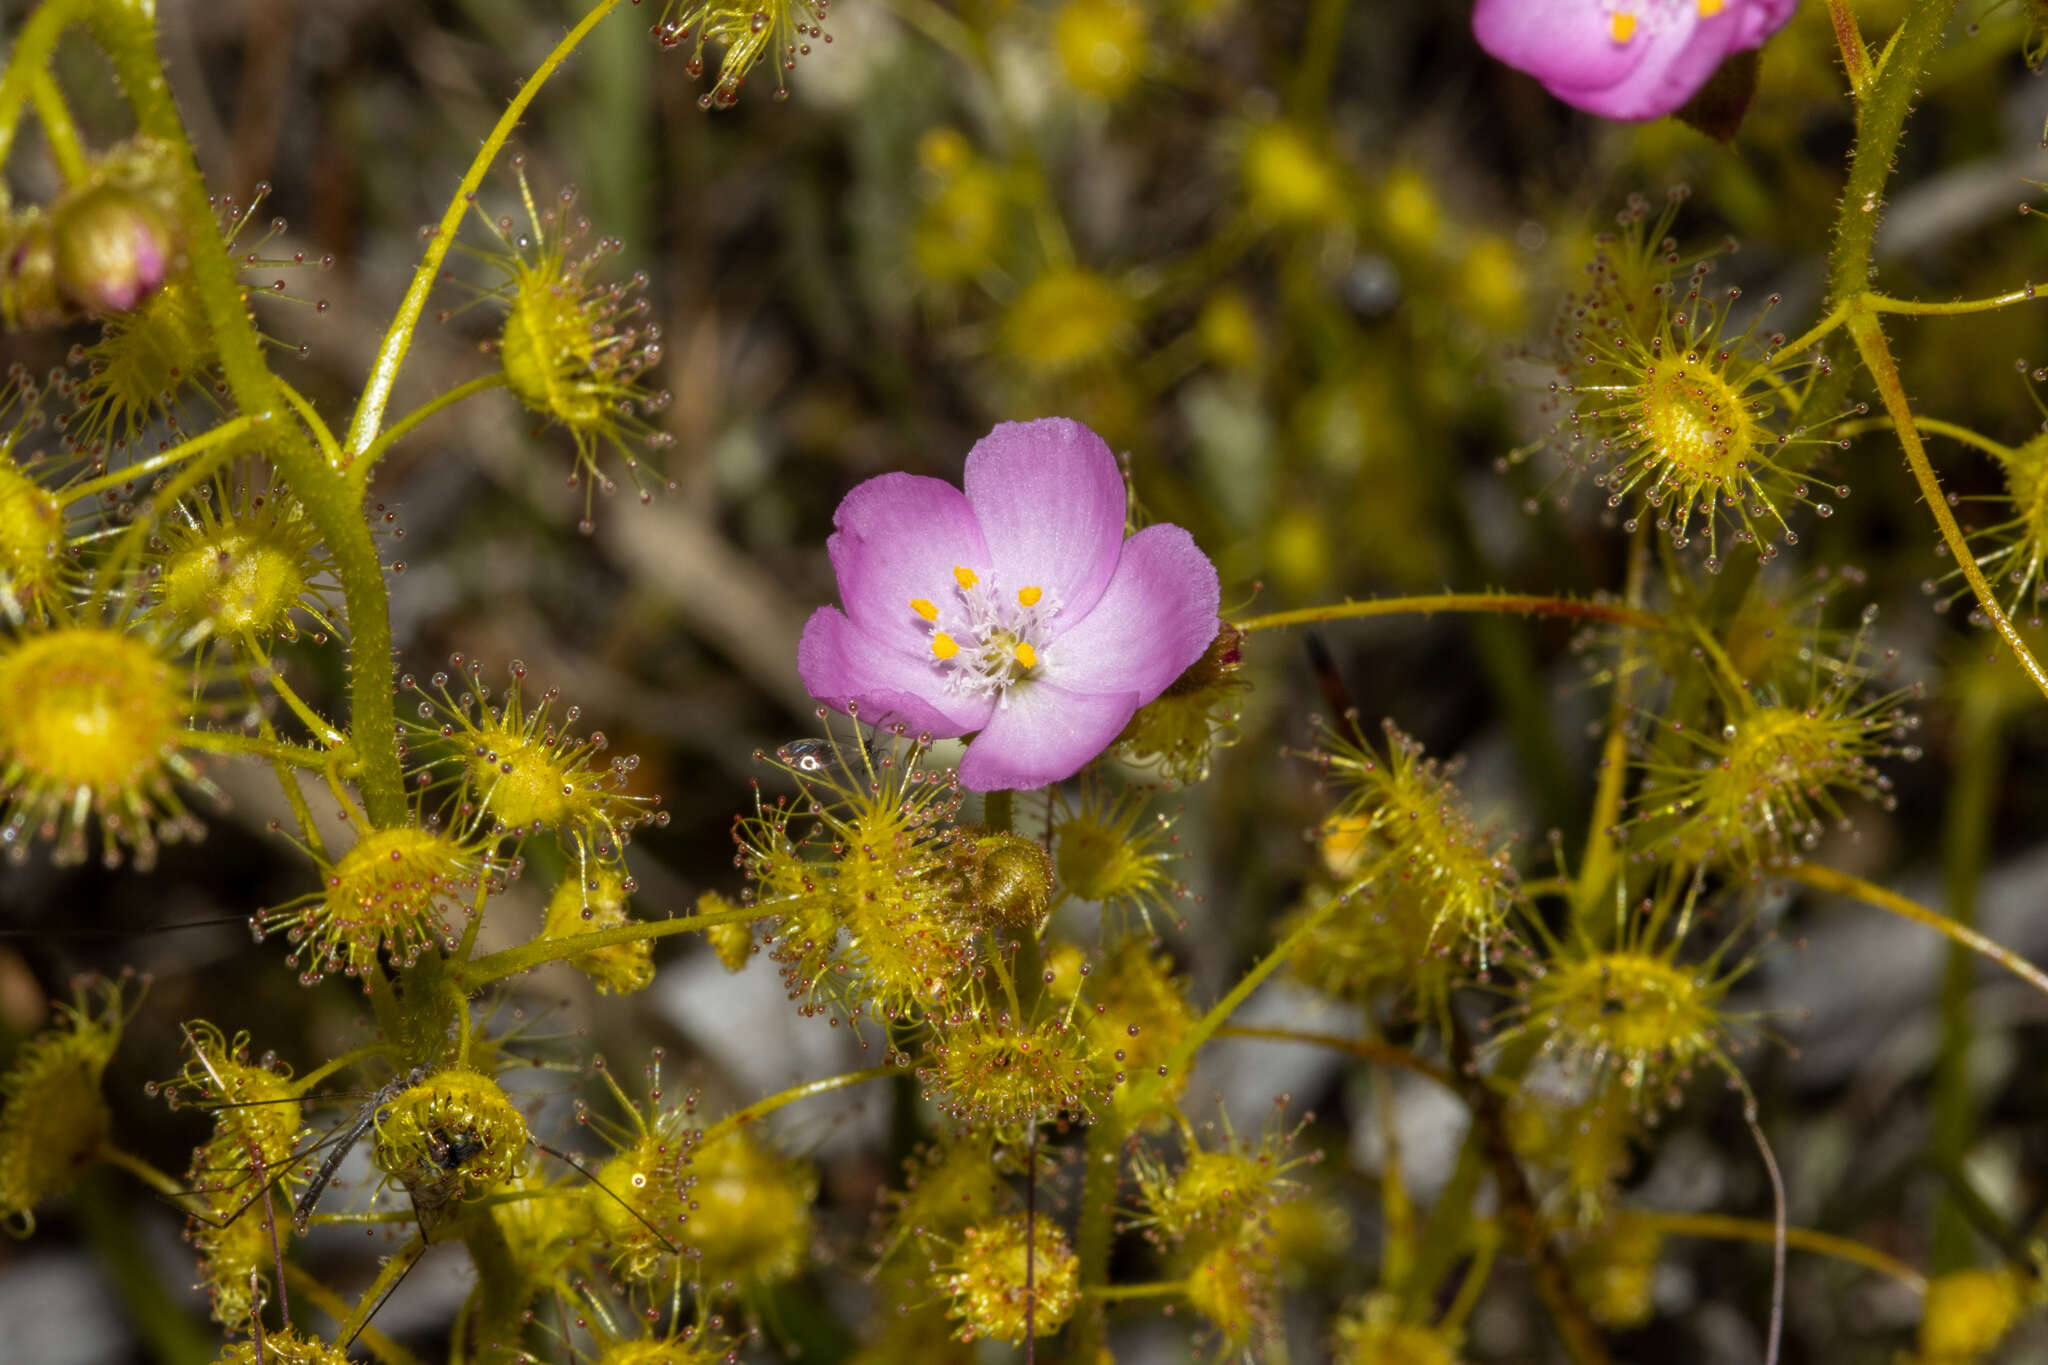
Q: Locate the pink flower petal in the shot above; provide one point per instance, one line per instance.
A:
(1559, 42)
(1670, 50)
(1154, 620)
(843, 666)
(1041, 734)
(1050, 500)
(899, 537)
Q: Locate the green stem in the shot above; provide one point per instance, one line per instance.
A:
(1884, 303)
(1729, 1229)
(1157, 1289)
(386, 1351)
(1871, 894)
(126, 30)
(440, 402)
(369, 415)
(472, 976)
(998, 811)
(58, 129)
(1096, 1235)
(114, 478)
(30, 59)
(1966, 836)
(740, 1118)
(1598, 861)
(1835, 318)
(141, 1170)
(145, 1294)
(1881, 109)
(1510, 603)
(1877, 359)
(388, 1274)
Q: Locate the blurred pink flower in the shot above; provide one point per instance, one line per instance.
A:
(1624, 59)
(1015, 609)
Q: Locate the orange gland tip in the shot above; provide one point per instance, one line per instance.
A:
(924, 607)
(965, 576)
(1029, 596)
(944, 645)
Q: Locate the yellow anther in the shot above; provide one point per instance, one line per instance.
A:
(1623, 26)
(923, 607)
(943, 645)
(1029, 596)
(965, 576)
(1710, 8)
(1026, 655)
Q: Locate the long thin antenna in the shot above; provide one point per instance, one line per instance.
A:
(1763, 1147)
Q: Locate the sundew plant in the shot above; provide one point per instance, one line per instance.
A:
(973, 680)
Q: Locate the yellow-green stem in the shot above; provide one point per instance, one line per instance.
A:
(1871, 894)
(1877, 358)
(369, 415)
(1509, 603)
(740, 1118)
(126, 30)
(383, 1348)
(1730, 1229)
(440, 402)
(511, 961)
(388, 1275)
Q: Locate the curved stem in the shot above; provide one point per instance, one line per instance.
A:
(1386, 1054)
(1834, 319)
(323, 435)
(255, 746)
(369, 415)
(360, 470)
(114, 478)
(141, 1170)
(1877, 358)
(58, 129)
(383, 1348)
(126, 30)
(740, 1118)
(1510, 603)
(1885, 303)
(1725, 1228)
(527, 956)
(1871, 894)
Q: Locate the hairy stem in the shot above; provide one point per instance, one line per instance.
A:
(740, 1118)
(512, 961)
(369, 415)
(1510, 603)
(1871, 894)
(126, 30)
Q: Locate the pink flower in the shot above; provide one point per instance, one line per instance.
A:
(1015, 609)
(1624, 59)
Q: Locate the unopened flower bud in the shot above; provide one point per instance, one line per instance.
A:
(113, 249)
(1009, 883)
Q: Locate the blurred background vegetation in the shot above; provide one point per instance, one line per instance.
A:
(1298, 258)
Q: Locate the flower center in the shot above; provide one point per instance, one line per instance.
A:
(985, 639)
